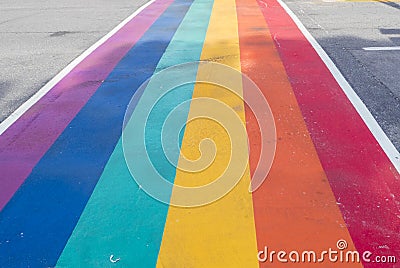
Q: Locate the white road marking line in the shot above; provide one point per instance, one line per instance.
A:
(381, 48)
(362, 110)
(47, 87)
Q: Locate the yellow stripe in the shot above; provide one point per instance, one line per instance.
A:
(220, 234)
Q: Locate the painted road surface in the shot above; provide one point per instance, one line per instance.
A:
(128, 162)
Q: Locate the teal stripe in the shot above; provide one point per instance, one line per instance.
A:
(120, 219)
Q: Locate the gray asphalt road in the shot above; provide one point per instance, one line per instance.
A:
(343, 29)
(38, 38)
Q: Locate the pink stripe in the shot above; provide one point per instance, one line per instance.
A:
(362, 177)
(27, 140)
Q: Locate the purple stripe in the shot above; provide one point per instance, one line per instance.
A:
(24, 143)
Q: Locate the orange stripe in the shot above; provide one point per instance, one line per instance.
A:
(294, 208)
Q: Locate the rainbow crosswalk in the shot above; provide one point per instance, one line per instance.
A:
(67, 196)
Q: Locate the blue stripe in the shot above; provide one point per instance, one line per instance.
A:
(37, 222)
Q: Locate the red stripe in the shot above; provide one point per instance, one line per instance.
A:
(362, 177)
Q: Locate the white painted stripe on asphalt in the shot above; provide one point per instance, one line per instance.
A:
(358, 104)
(381, 48)
(11, 119)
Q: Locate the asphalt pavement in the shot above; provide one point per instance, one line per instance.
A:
(40, 38)
(343, 29)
